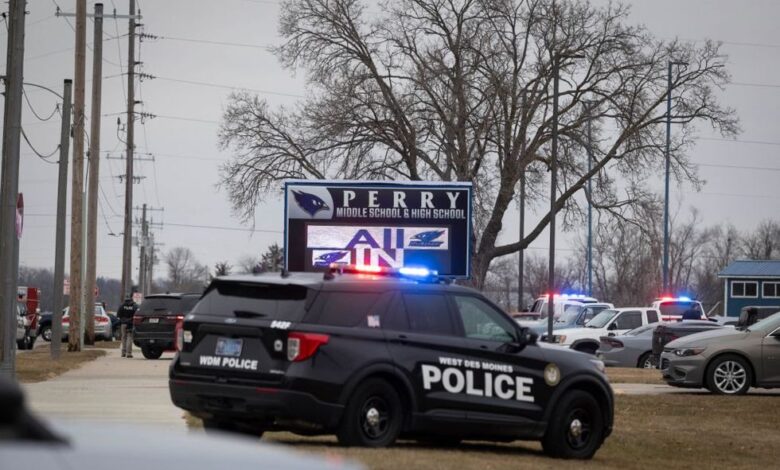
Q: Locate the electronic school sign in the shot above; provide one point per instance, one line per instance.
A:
(378, 224)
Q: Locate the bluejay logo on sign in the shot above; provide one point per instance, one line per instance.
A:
(310, 203)
(426, 239)
(327, 259)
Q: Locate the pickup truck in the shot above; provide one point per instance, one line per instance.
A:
(610, 322)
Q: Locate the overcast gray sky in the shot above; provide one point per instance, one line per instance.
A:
(216, 45)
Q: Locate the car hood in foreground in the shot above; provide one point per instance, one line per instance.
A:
(705, 337)
(96, 446)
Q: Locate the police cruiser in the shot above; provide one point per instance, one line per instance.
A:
(372, 355)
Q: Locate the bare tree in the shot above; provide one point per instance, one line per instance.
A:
(185, 273)
(248, 264)
(462, 91)
(272, 260)
(764, 243)
(222, 268)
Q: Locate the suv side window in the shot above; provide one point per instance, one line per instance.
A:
(652, 316)
(349, 309)
(428, 314)
(481, 321)
(629, 320)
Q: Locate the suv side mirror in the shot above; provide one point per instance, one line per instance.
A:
(524, 337)
(612, 326)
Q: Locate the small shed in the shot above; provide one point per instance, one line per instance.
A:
(748, 283)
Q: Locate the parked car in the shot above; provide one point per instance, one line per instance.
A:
(727, 361)
(525, 316)
(560, 303)
(157, 320)
(20, 329)
(610, 322)
(104, 328)
(115, 324)
(673, 308)
(631, 349)
(29, 335)
(668, 332)
(574, 316)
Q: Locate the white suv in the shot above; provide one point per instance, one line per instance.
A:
(674, 308)
(611, 322)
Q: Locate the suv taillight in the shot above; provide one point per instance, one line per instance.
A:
(137, 320)
(301, 346)
(174, 319)
(613, 342)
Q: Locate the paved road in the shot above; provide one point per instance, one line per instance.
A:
(111, 389)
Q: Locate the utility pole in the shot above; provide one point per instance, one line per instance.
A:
(77, 186)
(143, 242)
(62, 207)
(521, 252)
(588, 110)
(94, 174)
(127, 249)
(9, 235)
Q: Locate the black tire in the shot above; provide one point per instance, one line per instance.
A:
(373, 416)
(646, 361)
(151, 352)
(217, 425)
(576, 429)
(31, 341)
(729, 375)
(46, 333)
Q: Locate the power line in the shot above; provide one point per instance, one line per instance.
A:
(739, 167)
(40, 155)
(738, 141)
(266, 47)
(228, 87)
(216, 227)
(27, 99)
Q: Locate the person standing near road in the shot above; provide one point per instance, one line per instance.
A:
(125, 314)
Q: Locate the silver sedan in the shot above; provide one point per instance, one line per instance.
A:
(632, 349)
(726, 361)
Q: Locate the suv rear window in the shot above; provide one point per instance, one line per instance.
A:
(273, 301)
(160, 305)
(678, 307)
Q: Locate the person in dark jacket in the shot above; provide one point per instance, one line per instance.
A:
(125, 314)
(691, 314)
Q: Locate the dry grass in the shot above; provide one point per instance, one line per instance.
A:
(672, 431)
(37, 365)
(623, 375)
(107, 344)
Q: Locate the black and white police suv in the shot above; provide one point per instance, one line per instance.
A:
(374, 356)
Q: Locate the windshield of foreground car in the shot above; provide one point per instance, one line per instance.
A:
(600, 320)
(769, 323)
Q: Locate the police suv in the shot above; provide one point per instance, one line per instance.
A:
(372, 355)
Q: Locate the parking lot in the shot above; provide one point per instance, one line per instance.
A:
(655, 425)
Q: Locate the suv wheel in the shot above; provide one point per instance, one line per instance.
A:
(245, 429)
(372, 417)
(151, 352)
(729, 375)
(576, 429)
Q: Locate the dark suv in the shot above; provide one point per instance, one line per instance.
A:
(155, 323)
(371, 357)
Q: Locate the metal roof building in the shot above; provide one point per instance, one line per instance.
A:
(748, 283)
